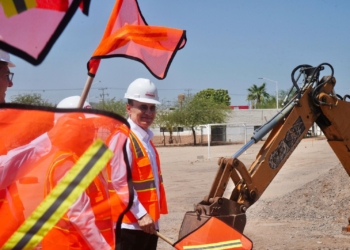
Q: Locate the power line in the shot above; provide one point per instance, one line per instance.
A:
(43, 90)
(103, 95)
(188, 91)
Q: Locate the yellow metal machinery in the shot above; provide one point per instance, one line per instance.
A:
(312, 99)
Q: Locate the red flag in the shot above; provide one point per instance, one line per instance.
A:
(84, 6)
(214, 234)
(39, 25)
(128, 35)
(59, 5)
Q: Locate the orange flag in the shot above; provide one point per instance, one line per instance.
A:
(38, 148)
(214, 234)
(128, 35)
(37, 22)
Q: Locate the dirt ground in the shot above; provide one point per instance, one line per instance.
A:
(304, 207)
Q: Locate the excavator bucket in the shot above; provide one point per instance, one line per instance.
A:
(192, 221)
(214, 234)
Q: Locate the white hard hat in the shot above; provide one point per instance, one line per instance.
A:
(5, 57)
(142, 90)
(72, 102)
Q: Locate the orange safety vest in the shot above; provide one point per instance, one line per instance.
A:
(11, 220)
(143, 182)
(64, 235)
(117, 206)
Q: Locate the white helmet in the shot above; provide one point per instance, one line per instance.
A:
(142, 90)
(72, 102)
(5, 57)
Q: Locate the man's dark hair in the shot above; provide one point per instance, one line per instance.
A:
(130, 102)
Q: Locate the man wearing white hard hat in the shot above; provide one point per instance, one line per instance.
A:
(5, 75)
(149, 201)
(72, 102)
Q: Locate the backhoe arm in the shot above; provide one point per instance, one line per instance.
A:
(314, 101)
(280, 144)
(334, 123)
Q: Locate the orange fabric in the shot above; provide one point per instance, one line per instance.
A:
(27, 162)
(155, 37)
(77, 136)
(10, 221)
(14, 126)
(64, 235)
(217, 233)
(128, 35)
(118, 207)
(13, 134)
(142, 172)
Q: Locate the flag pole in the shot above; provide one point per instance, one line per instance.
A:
(85, 92)
(163, 238)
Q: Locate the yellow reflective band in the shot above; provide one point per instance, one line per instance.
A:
(145, 190)
(14, 7)
(50, 210)
(216, 246)
(136, 145)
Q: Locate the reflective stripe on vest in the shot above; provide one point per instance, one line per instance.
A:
(144, 183)
(104, 223)
(136, 146)
(143, 186)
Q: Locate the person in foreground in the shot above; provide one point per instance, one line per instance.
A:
(87, 224)
(5, 74)
(141, 221)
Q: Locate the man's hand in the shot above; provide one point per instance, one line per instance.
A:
(147, 224)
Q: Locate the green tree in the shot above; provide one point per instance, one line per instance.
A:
(257, 94)
(166, 118)
(218, 95)
(196, 111)
(31, 99)
(112, 105)
(267, 103)
(270, 103)
(286, 94)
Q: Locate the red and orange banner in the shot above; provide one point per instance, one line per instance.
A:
(128, 35)
(37, 22)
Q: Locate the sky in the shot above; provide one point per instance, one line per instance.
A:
(230, 44)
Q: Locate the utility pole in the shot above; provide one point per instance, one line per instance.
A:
(89, 91)
(188, 91)
(102, 95)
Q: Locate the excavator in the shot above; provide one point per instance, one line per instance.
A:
(311, 99)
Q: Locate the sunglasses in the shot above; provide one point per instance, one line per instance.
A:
(144, 108)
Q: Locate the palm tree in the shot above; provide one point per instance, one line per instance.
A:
(257, 94)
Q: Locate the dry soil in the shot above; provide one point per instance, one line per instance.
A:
(304, 207)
